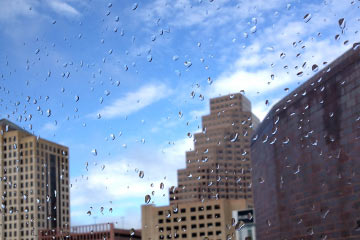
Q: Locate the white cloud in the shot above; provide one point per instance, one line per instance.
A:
(63, 8)
(11, 9)
(120, 184)
(135, 101)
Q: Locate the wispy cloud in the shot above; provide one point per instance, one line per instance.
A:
(117, 184)
(135, 101)
(63, 8)
(12, 9)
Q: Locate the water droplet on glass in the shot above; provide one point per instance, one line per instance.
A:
(94, 152)
(342, 23)
(141, 174)
(135, 6)
(187, 64)
(147, 199)
(149, 58)
(253, 29)
(307, 17)
(315, 68)
(234, 139)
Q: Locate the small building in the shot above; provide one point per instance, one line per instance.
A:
(192, 220)
(244, 224)
(103, 231)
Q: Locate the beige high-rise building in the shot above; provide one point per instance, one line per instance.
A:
(34, 184)
(219, 167)
(216, 181)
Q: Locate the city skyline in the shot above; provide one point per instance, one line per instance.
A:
(149, 69)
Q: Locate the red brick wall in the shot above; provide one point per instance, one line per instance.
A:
(309, 188)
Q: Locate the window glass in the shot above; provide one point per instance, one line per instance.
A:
(137, 112)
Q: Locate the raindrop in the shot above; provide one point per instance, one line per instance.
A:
(149, 58)
(94, 152)
(253, 29)
(112, 136)
(147, 199)
(342, 23)
(175, 57)
(161, 186)
(254, 21)
(141, 174)
(187, 64)
(315, 68)
(77, 98)
(234, 139)
(325, 212)
(307, 17)
(268, 223)
(282, 55)
(135, 6)
(209, 81)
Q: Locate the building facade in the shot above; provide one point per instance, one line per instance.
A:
(216, 180)
(219, 167)
(100, 231)
(34, 184)
(191, 220)
(306, 159)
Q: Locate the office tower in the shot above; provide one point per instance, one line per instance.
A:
(306, 159)
(219, 167)
(216, 183)
(34, 184)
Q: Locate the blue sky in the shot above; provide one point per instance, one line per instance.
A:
(131, 80)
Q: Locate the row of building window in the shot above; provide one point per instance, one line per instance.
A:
(193, 235)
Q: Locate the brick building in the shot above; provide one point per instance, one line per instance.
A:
(91, 232)
(306, 158)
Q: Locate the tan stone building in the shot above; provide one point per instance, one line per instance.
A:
(216, 181)
(219, 167)
(34, 184)
(191, 220)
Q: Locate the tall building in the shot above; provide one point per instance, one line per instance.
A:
(306, 159)
(219, 167)
(216, 181)
(34, 184)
